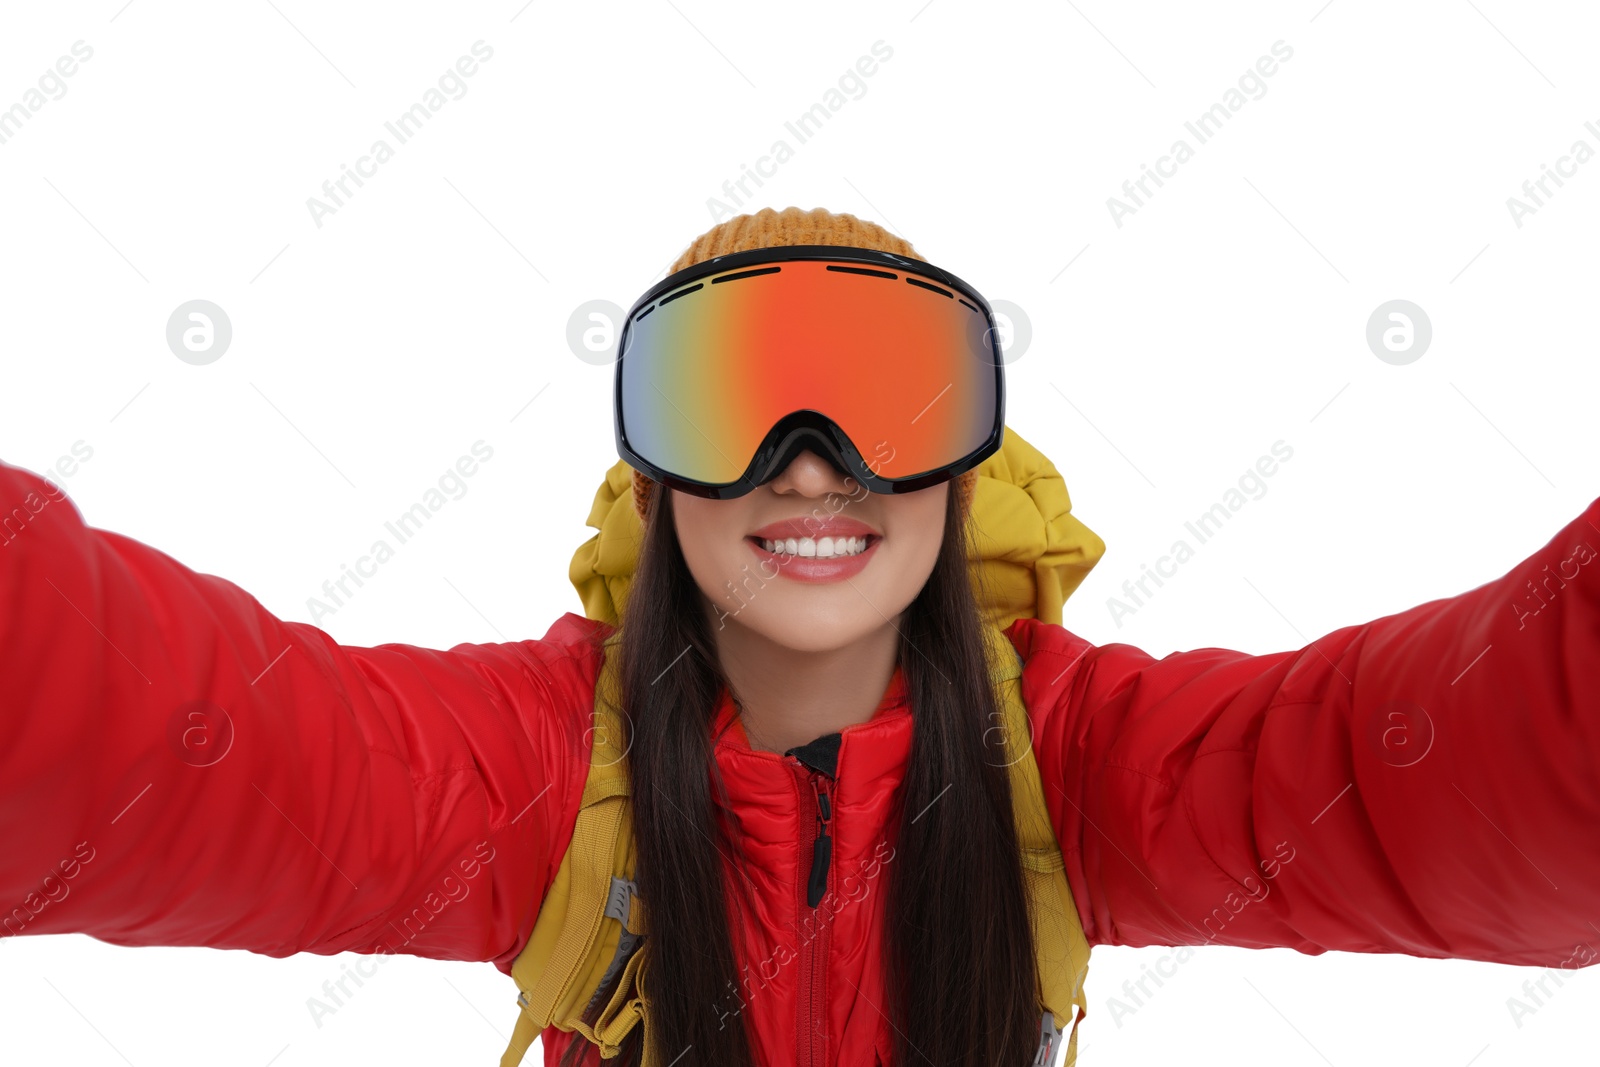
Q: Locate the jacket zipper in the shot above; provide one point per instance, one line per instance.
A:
(816, 857)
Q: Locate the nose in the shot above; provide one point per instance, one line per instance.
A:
(809, 474)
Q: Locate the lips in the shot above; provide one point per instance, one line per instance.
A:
(809, 533)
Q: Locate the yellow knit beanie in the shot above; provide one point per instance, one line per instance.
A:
(791, 226)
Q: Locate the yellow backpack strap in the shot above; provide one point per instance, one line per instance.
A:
(1060, 947)
(573, 950)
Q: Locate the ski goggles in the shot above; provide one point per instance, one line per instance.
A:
(888, 367)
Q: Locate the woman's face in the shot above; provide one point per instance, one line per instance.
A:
(811, 560)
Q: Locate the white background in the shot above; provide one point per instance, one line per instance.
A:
(1167, 354)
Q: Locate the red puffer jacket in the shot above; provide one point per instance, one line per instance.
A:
(204, 773)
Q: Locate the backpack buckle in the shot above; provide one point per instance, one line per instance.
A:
(1049, 1042)
(619, 900)
(619, 906)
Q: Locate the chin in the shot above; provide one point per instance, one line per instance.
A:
(820, 629)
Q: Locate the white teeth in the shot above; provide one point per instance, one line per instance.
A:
(823, 548)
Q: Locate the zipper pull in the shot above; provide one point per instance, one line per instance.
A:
(822, 849)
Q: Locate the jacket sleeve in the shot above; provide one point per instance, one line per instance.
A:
(1427, 783)
(179, 767)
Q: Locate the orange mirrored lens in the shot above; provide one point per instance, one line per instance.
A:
(902, 363)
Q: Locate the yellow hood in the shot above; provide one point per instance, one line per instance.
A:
(1032, 552)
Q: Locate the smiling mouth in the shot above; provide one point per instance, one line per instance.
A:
(817, 547)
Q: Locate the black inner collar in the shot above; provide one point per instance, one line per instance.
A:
(820, 755)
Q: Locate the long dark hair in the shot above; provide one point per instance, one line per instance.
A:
(961, 986)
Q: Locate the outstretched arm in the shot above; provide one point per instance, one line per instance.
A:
(179, 767)
(1426, 783)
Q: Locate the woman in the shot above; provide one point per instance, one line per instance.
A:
(211, 775)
